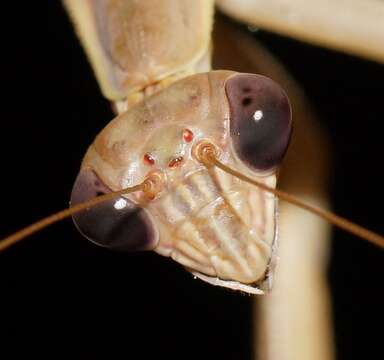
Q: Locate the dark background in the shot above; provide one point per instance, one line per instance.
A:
(62, 296)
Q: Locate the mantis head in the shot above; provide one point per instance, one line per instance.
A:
(217, 226)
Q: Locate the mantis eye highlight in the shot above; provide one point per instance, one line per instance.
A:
(116, 224)
(260, 120)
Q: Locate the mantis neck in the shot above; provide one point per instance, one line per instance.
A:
(203, 65)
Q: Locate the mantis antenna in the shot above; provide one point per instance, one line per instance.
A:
(49, 220)
(208, 155)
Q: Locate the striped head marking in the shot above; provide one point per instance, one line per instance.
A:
(219, 227)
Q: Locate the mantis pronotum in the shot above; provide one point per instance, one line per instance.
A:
(63, 164)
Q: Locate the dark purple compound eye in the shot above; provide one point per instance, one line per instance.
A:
(260, 120)
(116, 224)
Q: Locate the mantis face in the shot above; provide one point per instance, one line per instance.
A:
(220, 228)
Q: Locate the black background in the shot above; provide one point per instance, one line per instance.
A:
(62, 296)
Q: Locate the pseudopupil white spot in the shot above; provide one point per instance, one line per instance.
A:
(258, 115)
(120, 204)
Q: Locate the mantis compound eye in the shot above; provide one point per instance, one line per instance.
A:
(117, 224)
(260, 120)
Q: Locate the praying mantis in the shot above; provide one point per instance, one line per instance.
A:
(57, 172)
